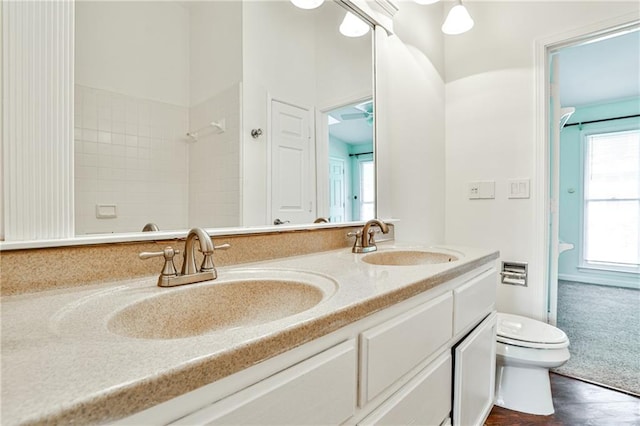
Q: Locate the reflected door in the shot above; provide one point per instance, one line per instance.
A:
(337, 196)
(292, 164)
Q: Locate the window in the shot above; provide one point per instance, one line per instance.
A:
(612, 201)
(367, 189)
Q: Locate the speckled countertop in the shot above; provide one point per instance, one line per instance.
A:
(63, 362)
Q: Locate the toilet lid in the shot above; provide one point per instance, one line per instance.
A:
(515, 327)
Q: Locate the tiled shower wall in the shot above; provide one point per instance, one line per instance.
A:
(214, 169)
(131, 153)
(134, 153)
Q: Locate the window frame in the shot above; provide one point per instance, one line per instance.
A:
(583, 264)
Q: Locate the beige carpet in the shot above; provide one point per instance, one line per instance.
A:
(603, 325)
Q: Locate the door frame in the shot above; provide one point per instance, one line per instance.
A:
(544, 48)
(322, 147)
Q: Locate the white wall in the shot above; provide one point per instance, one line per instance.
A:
(411, 139)
(278, 60)
(136, 48)
(215, 48)
(344, 65)
(214, 162)
(490, 126)
(299, 57)
(1, 133)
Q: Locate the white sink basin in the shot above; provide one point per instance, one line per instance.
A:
(407, 257)
(238, 298)
(187, 311)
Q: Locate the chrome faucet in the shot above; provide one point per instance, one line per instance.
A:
(190, 273)
(365, 241)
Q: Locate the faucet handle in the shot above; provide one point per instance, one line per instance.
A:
(169, 268)
(207, 261)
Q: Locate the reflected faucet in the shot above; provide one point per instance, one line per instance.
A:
(365, 241)
(190, 273)
(150, 227)
(321, 220)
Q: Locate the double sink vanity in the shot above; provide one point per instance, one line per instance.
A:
(398, 335)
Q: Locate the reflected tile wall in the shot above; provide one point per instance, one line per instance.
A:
(132, 153)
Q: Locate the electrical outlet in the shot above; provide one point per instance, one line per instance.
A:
(474, 190)
(482, 190)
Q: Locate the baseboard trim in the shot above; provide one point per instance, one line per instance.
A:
(609, 282)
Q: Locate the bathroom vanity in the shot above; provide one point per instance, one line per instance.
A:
(382, 343)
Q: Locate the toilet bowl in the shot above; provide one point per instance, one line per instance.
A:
(526, 350)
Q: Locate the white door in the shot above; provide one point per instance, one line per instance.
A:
(337, 195)
(292, 164)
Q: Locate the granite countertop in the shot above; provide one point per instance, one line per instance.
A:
(61, 363)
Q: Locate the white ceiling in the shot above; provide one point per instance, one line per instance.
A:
(353, 131)
(601, 71)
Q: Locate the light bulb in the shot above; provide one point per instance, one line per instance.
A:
(352, 26)
(458, 20)
(307, 4)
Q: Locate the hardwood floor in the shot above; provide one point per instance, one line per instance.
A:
(577, 404)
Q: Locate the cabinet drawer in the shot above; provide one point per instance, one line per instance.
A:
(392, 349)
(425, 400)
(319, 390)
(474, 300)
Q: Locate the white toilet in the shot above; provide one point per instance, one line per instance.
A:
(526, 350)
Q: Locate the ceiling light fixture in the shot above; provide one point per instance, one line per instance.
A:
(307, 4)
(458, 20)
(352, 26)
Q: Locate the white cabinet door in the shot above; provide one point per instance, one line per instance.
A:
(474, 375)
(393, 348)
(425, 400)
(320, 390)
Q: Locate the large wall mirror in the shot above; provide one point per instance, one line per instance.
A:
(220, 114)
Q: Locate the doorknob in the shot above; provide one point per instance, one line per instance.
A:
(279, 222)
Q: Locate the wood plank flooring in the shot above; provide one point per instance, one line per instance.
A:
(577, 404)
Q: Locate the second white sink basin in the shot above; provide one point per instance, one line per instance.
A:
(407, 257)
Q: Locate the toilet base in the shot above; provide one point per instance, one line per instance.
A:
(524, 389)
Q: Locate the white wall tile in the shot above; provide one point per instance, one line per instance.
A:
(113, 162)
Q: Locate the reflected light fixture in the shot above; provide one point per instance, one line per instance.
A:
(352, 26)
(458, 20)
(307, 4)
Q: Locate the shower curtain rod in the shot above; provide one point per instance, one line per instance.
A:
(580, 123)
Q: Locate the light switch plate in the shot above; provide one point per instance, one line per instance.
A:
(518, 188)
